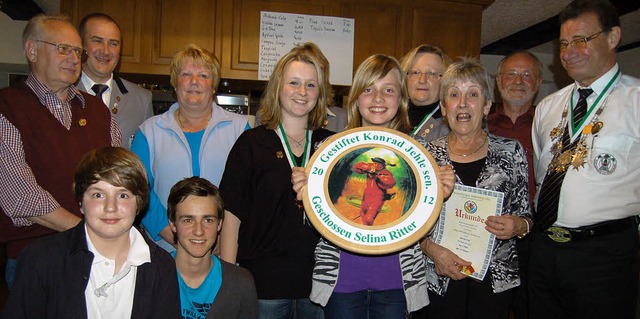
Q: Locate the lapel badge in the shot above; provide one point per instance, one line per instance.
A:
(82, 122)
(605, 163)
(279, 154)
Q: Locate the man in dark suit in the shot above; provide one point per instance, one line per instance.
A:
(129, 104)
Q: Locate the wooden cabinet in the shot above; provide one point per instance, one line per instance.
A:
(241, 31)
(453, 26)
(176, 24)
(128, 14)
(394, 27)
(153, 30)
(380, 27)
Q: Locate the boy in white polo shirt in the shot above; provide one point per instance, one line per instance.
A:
(103, 267)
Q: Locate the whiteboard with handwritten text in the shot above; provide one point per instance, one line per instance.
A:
(280, 32)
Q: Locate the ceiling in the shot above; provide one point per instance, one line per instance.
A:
(49, 6)
(509, 25)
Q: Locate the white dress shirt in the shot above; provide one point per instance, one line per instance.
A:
(88, 83)
(596, 192)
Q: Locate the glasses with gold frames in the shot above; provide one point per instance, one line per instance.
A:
(578, 43)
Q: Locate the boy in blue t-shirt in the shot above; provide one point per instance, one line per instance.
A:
(209, 287)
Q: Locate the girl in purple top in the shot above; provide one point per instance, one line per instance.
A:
(350, 285)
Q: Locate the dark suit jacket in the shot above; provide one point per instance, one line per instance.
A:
(53, 274)
(133, 104)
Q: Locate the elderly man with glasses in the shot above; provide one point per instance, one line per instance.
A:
(46, 126)
(586, 141)
(518, 79)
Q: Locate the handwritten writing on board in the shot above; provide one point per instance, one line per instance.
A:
(280, 32)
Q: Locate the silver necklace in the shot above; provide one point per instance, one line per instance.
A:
(298, 143)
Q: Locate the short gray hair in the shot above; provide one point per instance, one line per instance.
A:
(467, 69)
(35, 27)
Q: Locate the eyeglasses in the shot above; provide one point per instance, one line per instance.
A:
(415, 74)
(578, 43)
(65, 49)
(524, 75)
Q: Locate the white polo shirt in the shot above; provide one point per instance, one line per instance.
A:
(110, 295)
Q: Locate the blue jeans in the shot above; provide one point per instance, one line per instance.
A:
(367, 304)
(10, 272)
(289, 309)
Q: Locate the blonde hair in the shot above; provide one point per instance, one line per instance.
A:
(371, 70)
(407, 59)
(199, 57)
(270, 112)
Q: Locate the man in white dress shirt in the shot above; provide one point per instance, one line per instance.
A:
(584, 252)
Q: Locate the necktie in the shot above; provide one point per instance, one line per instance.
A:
(581, 108)
(99, 89)
(547, 212)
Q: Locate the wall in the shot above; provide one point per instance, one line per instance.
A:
(11, 39)
(629, 62)
(12, 59)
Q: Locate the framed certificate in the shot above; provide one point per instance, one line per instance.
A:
(372, 190)
(462, 229)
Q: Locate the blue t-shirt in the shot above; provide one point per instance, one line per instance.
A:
(195, 140)
(196, 302)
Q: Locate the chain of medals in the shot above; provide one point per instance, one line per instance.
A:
(575, 156)
(292, 159)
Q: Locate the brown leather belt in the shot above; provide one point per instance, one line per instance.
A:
(564, 234)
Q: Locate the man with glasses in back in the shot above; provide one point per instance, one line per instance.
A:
(46, 126)
(586, 140)
(518, 79)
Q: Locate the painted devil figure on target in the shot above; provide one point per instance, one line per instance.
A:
(379, 180)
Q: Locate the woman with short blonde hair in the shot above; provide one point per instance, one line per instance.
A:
(193, 138)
